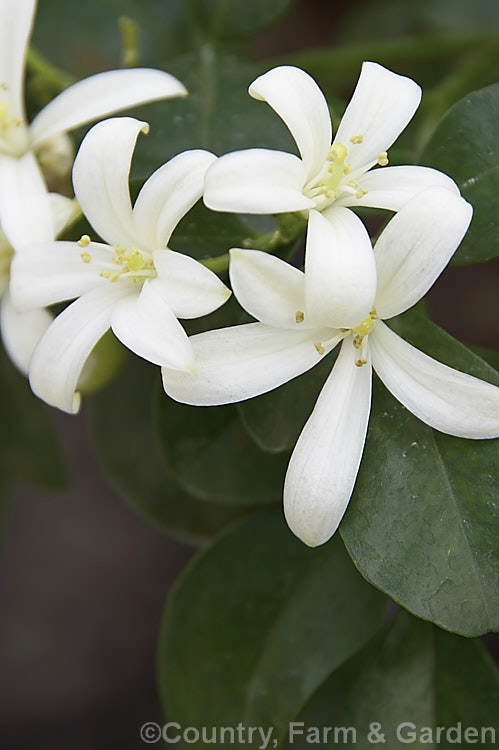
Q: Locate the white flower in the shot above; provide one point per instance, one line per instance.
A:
(24, 211)
(132, 284)
(262, 181)
(22, 330)
(304, 315)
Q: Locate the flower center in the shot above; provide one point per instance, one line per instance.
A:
(128, 263)
(359, 341)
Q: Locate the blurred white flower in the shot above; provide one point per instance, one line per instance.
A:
(133, 284)
(303, 316)
(24, 212)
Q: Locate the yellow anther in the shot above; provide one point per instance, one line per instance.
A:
(344, 330)
(86, 257)
(337, 152)
(357, 342)
(360, 193)
(360, 362)
(135, 260)
(4, 86)
(299, 316)
(320, 349)
(365, 328)
(110, 276)
(3, 112)
(373, 314)
(84, 240)
(347, 168)
(356, 139)
(383, 159)
(353, 183)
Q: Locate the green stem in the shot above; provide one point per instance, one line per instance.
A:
(129, 30)
(53, 77)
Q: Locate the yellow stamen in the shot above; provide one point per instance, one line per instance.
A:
(353, 183)
(135, 260)
(356, 139)
(299, 316)
(360, 193)
(320, 349)
(347, 168)
(383, 159)
(110, 276)
(84, 240)
(337, 152)
(86, 257)
(360, 362)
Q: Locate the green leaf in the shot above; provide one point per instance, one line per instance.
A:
(404, 684)
(256, 624)
(28, 446)
(208, 452)
(276, 419)
(131, 458)
(423, 521)
(229, 18)
(465, 146)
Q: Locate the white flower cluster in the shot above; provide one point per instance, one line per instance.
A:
(132, 283)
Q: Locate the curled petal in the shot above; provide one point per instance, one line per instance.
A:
(393, 187)
(100, 178)
(60, 356)
(271, 290)
(340, 272)
(380, 108)
(256, 181)
(415, 247)
(21, 331)
(167, 196)
(191, 289)
(446, 399)
(146, 324)
(324, 465)
(233, 364)
(298, 100)
(102, 95)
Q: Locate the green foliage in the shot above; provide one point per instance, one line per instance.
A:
(257, 623)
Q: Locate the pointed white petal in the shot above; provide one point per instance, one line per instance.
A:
(25, 214)
(192, 290)
(102, 95)
(271, 290)
(380, 108)
(298, 100)
(233, 364)
(446, 399)
(393, 187)
(340, 272)
(146, 324)
(100, 178)
(16, 20)
(59, 358)
(416, 246)
(256, 181)
(21, 331)
(324, 465)
(45, 274)
(167, 196)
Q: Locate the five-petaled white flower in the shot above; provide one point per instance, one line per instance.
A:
(24, 210)
(304, 315)
(133, 284)
(262, 181)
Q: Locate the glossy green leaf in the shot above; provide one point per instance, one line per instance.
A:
(28, 445)
(403, 685)
(423, 522)
(209, 453)
(276, 419)
(465, 146)
(257, 623)
(125, 441)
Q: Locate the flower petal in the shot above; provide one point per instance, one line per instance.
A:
(393, 187)
(59, 358)
(102, 95)
(64, 210)
(45, 274)
(256, 181)
(192, 290)
(380, 108)
(415, 247)
(340, 272)
(146, 324)
(298, 100)
(271, 290)
(167, 196)
(233, 364)
(100, 178)
(444, 398)
(21, 331)
(16, 20)
(25, 214)
(324, 465)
